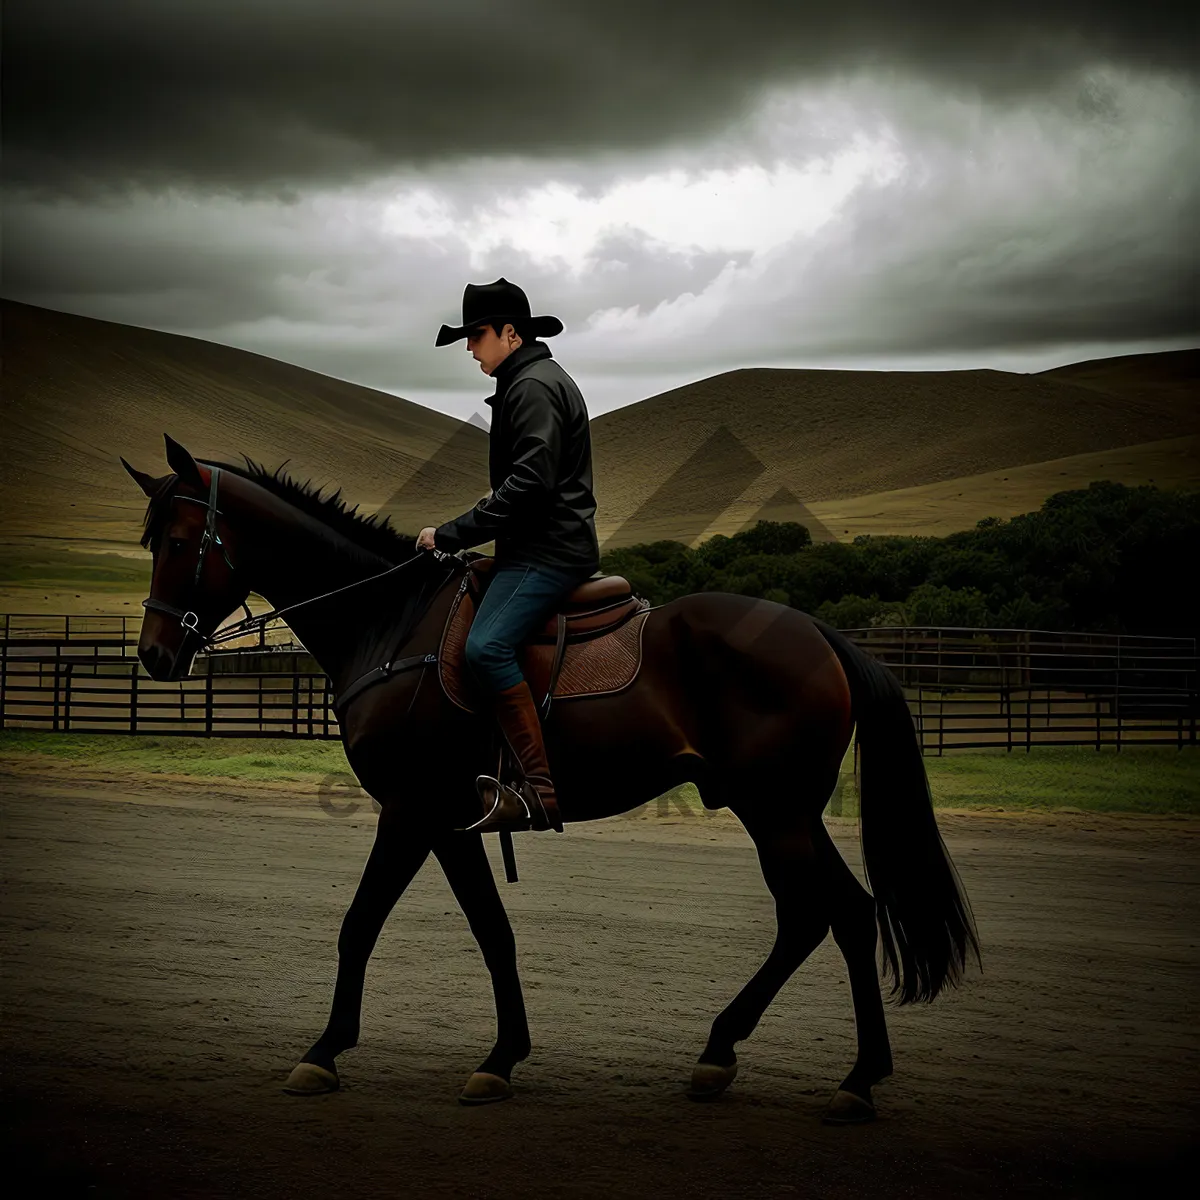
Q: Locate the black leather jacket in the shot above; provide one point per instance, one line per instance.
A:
(541, 510)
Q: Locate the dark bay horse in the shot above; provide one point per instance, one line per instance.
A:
(751, 701)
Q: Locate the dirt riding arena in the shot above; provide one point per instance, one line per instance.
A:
(169, 950)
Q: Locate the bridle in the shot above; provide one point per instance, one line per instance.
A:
(191, 621)
(188, 618)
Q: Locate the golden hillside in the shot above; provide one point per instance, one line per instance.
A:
(713, 455)
(847, 452)
(80, 392)
(1169, 378)
(936, 509)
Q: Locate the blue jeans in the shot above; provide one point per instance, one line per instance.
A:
(518, 600)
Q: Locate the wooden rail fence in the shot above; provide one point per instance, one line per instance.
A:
(966, 688)
(1016, 688)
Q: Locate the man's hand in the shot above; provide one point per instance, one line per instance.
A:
(425, 538)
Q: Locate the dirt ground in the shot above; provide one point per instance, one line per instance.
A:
(169, 949)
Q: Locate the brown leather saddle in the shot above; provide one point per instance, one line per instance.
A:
(591, 647)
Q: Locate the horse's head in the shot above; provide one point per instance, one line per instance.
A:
(195, 583)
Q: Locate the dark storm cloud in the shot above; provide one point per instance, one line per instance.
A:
(1026, 235)
(266, 93)
(997, 229)
(1120, 274)
(315, 282)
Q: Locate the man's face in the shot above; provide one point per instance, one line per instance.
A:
(490, 349)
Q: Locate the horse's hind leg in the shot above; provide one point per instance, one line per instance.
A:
(852, 914)
(792, 871)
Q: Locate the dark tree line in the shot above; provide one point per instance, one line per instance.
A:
(1105, 558)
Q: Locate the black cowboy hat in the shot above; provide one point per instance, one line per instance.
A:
(484, 303)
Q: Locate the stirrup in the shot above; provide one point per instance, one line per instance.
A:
(508, 810)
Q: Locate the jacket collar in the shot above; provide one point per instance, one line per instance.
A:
(507, 371)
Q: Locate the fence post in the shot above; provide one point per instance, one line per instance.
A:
(57, 665)
(1117, 697)
(295, 705)
(4, 674)
(208, 702)
(1193, 696)
(133, 698)
(67, 697)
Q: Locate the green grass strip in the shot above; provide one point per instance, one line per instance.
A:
(284, 759)
(1158, 780)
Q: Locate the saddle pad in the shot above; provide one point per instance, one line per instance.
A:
(607, 663)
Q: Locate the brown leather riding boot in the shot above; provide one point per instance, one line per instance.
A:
(534, 805)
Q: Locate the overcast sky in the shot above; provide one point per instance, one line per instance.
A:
(691, 187)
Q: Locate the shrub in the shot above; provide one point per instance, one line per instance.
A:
(1106, 557)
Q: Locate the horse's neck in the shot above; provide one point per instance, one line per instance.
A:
(301, 564)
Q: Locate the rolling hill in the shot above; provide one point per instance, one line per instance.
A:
(848, 452)
(1169, 378)
(713, 455)
(80, 392)
(936, 509)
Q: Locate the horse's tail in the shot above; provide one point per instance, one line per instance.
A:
(925, 920)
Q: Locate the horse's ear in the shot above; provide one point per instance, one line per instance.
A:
(182, 463)
(147, 483)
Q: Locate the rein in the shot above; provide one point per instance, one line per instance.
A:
(240, 628)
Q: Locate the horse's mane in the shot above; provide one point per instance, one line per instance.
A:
(371, 534)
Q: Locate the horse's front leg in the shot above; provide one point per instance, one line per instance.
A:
(395, 858)
(463, 859)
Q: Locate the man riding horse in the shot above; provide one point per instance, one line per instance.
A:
(541, 513)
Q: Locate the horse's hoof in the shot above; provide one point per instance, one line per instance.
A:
(485, 1088)
(848, 1109)
(710, 1080)
(307, 1079)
